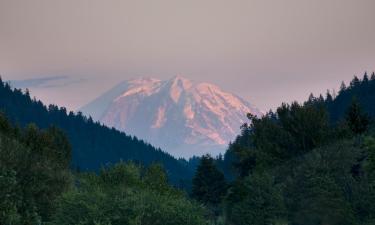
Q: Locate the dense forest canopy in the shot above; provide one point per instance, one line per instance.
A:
(310, 163)
(94, 145)
(38, 187)
(361, 89)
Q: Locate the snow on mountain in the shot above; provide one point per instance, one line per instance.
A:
(180, 116)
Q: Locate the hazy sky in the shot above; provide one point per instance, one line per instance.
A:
(265, 51)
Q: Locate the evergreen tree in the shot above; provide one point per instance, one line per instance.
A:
(321, 188)
(209, 184)
(319, 200)
(365, 94)
(370, 164)
(342, 87)
(373, 76)
(9, 197)
(156, 178)
(259, 202)
(329, 97)
(120, 196)
(355, 82)
(325, 179)
(365, 79)
(34, 172)
(312, 98)
(92, 143)
(320, 99)
(357, 120)
(296, 130)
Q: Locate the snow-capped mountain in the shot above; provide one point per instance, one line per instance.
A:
(182, 117)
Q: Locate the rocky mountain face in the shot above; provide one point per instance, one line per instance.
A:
(182, 117)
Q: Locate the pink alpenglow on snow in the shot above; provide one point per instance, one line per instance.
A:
(180, 116)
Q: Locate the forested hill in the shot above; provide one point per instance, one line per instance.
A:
(94, 145)
(38, 187)
(363, 90)
(308, 163)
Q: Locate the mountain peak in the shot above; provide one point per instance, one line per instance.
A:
(177, 85)
(179, 77)
(183, 117)
(143, 80)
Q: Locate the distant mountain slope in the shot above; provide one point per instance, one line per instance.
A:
(93, 144)
(183, 117)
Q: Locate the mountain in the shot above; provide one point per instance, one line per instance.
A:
(93, 145)
(181, 116)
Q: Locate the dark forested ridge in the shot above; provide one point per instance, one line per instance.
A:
(361, 89)
(37, 186)
(303, 164)
(93, 144)
(310, 163)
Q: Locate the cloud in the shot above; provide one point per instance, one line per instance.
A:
(46, 82)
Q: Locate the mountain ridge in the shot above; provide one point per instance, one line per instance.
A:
(94, 145)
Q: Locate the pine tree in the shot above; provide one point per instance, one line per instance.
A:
(258, 201)
(321, 98)
(369, 144)
(355, 82)
(156, 178)
(329, 97)
(311, 99)
(373, 76)
(342, 87)
(89, 151)
(209, 184)
(9, 198)
(365, 78)
(357, 120)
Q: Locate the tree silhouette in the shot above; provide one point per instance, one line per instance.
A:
(209, 184)
(357, 120)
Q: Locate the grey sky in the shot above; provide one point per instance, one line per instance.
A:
(265, 51)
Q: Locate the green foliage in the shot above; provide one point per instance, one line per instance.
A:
(9, 198)
(120, 195)
(156, 178)
(257, 201)
(357, 120)
(307, 161)
(322, 188)
(362, 90)
(290, 132)
(241, 155)
(36, 181)
(93, 144)
(369, 144)
(34, 171)
(209, 184)
(296, 166)
(121, 174)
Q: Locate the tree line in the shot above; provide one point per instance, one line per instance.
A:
(38, 187)
(93, 144)
(302, 164)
